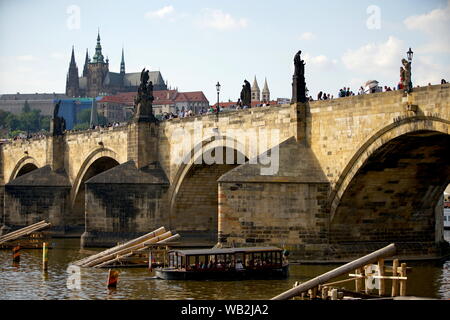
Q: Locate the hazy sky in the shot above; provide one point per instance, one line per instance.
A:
(197, 43)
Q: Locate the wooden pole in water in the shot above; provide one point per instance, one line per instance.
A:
(359, 280)
(324, 293)
(44, 256)
(358, 263)
(334, 294)
(113, 277)
(16, 254)
(403, 282)
(394, 281)
(150, 266)
(382, 289)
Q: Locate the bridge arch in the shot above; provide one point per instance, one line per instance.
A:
(23, 166)
(393, 182)
(193, 197)
(98, 161)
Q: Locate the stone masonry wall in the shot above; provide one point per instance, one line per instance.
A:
(290, 215)
(28, 205)
(195, 212)
(118, 212)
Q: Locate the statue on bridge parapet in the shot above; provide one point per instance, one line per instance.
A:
(143, 108)
(298, 80)
(58, 124)
(246, 94)
(405, 75)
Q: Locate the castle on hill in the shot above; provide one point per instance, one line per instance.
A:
(97, 80)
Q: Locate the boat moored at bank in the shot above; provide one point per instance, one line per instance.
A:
(226, 264)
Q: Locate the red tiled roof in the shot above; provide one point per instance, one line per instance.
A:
(161, 97)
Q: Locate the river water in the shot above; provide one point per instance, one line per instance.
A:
(28, 281)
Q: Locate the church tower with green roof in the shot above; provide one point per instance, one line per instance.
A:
(98, 68)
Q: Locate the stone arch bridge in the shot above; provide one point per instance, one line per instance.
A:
(329, 178)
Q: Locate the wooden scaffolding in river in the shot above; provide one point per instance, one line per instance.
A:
(138, 252)
(369, 274)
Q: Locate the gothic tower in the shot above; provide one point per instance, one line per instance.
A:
(122, 64)
(122, 70)
(256, 93)
(98, 68)
(86, 62)
(72, 83)
(265, 92)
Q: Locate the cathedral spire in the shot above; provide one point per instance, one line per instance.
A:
(266, 92)
(72, 59)
(122, 64)
(98, 57)
(256, 93)
(266, 87)
(86, 62)
(72, 85)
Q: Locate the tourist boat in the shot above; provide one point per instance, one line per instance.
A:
(226, 264)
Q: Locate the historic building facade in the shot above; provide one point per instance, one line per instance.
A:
(97, 80)
(119, 107)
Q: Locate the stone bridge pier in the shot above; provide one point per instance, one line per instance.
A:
(327, 180)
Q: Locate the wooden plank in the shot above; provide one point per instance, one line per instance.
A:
(110, 258)
(329, 284)
(391, 277)
(170, 239)
(128, 244)
(358, 263)
(24, 232)
(12, 233)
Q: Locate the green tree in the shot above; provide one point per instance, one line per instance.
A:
(45, 123)
(30, 121)
(12, 122)
(3, 115)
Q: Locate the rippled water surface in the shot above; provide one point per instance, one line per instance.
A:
(28, 281)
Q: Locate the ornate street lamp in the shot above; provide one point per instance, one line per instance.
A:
(218, 91)
(410, 54)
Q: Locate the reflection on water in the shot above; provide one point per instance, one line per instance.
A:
(28, 281)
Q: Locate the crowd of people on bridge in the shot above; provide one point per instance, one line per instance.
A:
(344, 92)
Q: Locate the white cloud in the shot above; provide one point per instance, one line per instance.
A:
(436, 25)
(27, 58)
(307, 36)
(320, 61)
(435, 20)
(217, 19)
(425, 71)
(161, 13)
(375, 58)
